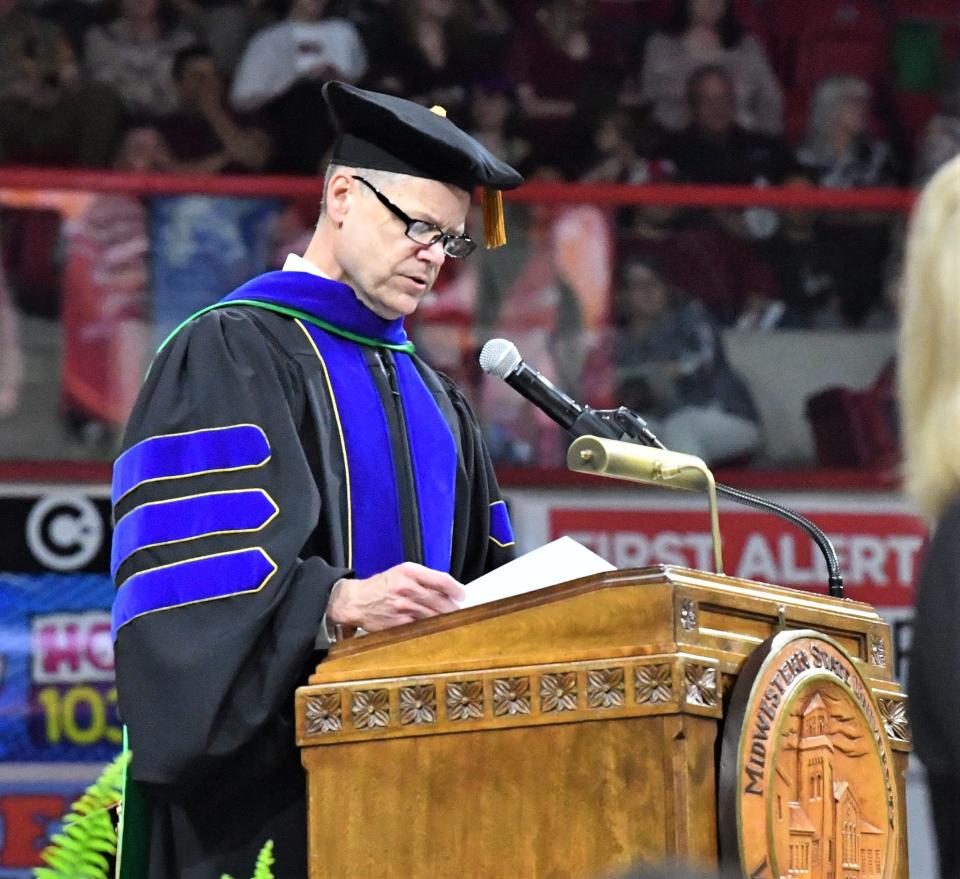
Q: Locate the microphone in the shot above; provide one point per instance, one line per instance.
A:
(501, 358)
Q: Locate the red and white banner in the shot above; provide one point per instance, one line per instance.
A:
(878, 552)
(878, 538)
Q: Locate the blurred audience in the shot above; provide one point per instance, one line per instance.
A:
(669, 367)
(204, 136)
(105, 304)
(627, 148)
(48, 114)
(225, 26)
(431, 50)
(709, 32)
(710, 256)
(134, 53)
(495, 120)
(281, 74)
(715, 148)
(11, 355)
(555, 63)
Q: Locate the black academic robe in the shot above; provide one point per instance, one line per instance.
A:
(240, 402)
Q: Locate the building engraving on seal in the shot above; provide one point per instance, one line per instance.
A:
(807, 766)
(819, 822)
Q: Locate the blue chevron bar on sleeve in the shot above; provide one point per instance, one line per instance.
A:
(200, 579)
(501, 531)
(190, 518)
(177, 455)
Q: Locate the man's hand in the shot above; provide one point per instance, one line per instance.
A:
(399, 595)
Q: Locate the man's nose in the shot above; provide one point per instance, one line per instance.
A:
(433, 253)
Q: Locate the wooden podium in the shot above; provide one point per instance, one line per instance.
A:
(568, 732)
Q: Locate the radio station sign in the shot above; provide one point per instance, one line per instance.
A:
(58, 701)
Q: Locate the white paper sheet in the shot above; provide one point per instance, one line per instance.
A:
(563, 559)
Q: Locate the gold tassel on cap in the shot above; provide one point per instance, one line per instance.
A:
(440, 111)
(494, 228)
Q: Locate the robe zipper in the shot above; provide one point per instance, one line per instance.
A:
(406, 484)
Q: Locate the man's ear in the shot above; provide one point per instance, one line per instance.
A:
(338, 196)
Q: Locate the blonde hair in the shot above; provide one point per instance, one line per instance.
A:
(929, 360)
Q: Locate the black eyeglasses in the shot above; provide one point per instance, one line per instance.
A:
(423, 232)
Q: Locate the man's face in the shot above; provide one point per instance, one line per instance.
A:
(198, 78)
(713, 104)
(644, 294)
(392, 273)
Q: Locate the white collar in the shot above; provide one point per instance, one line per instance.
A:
(296, 263)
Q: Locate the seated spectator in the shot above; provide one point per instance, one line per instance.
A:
(495, 120)
(813, 273)
(134, 53)
(839, 149)
(555, 64)
(669, 367)
(106, 301)
(47, 113)
(941, 139)
(627, 148)
(306, 47)
(708, 32)
(840, 152)
(282, 72)
(204, 136)
(430, 50)
(715, 148)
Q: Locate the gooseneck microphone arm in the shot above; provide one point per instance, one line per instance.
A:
(834, 578)
(501, 358)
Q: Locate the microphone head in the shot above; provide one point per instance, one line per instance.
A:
(499, 357)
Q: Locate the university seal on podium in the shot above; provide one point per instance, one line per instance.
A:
(806, 776)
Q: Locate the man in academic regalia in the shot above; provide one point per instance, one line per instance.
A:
(292, 469)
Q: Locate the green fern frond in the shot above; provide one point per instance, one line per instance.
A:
(265, 861)
(85, 846)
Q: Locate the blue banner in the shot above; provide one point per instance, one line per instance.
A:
(202, 248)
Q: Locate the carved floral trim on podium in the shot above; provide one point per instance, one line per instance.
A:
(370, 709)
(418, 705)
(653, 683)
(558, 692)
(511, 696)
(323, 714)
(551, 694)
(465, 700)
(605, 688)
